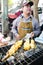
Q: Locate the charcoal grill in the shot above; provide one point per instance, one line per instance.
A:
(21, 57)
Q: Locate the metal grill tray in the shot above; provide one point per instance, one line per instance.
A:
(22, 57)
(31, 52)
(27, 57)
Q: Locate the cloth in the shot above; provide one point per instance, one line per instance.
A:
(40, 38)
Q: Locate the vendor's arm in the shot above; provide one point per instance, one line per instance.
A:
(14, 27)
(36, 29)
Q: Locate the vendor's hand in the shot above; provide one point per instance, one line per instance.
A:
(17, 37)
(32, 34)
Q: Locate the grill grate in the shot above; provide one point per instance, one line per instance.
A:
(21, 57)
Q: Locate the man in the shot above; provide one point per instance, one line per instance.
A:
(25, 23)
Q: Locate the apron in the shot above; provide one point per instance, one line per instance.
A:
(24, 28)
